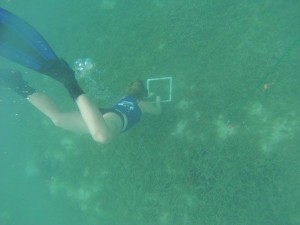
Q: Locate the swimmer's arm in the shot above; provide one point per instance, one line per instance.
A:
(151, 108)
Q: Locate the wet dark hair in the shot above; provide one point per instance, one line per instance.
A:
(137, 89)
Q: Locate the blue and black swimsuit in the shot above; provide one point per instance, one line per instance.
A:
(127, 106)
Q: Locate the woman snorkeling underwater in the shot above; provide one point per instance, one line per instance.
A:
(22, 44)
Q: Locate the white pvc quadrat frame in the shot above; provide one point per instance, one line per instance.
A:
(170, 86)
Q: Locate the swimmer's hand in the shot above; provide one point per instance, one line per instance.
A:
(153, 107)
(151, 95)
(155, 98)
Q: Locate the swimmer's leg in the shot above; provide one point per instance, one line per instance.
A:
(71, 121)
(100, 129)
(88, 120)
(21, 43)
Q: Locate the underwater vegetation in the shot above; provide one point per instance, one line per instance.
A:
(225, 149)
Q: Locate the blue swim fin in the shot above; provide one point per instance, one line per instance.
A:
(13, 79)
(22, 44)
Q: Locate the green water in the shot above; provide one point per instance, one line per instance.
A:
(225, 151)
